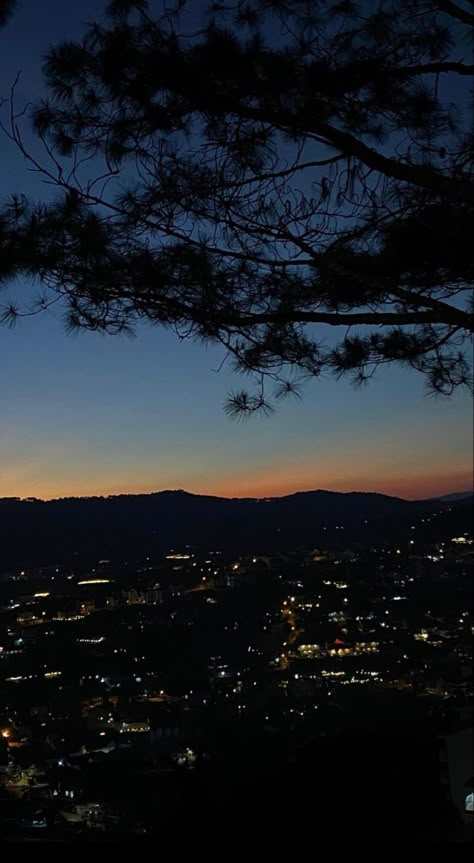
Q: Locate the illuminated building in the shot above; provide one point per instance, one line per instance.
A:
(134, 597)
(112, 602)
(179, 556)
(134, 726)
(95, 581)
(29, 618)
(86, 606)
(315, 651)
(155, 596)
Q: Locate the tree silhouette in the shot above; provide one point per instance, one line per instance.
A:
(6, 9)
(260, 179)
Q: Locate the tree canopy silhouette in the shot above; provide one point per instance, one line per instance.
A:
(290, 179)
(6, 9)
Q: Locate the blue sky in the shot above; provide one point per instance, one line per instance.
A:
(93, 414)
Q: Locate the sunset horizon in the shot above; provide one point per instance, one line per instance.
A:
(461, 483)
(236, 437)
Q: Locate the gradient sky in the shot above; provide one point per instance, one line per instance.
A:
(93, 414)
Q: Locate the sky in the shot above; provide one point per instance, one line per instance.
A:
(92, 414)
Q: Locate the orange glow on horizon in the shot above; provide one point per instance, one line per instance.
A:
(274, 482)
(407, 487)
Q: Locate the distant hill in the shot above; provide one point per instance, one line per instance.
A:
(457, 495)
(126, 526)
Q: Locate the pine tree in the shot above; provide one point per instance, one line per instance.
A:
(276, 176)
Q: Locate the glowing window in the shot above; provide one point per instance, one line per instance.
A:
(469, 802)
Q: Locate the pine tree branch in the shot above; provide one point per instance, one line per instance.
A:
(447, 312)
(433, 69)
(417, 175)
(337, 319)
(455, 11)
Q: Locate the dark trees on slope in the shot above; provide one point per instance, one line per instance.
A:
(280, 170)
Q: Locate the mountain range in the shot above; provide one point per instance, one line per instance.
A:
(457, 495)
(129, 526)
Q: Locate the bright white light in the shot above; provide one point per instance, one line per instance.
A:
(95, 581)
